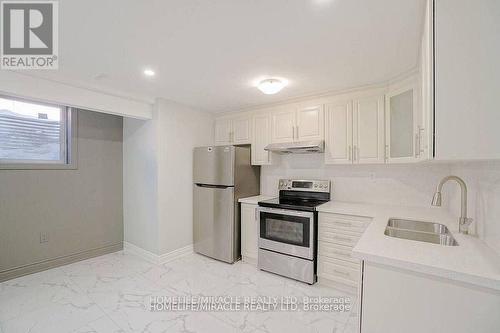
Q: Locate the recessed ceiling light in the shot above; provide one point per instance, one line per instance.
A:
(271, 86)
(149, 72)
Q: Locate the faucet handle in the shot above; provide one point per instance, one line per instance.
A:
(463, 225)
(466, 221)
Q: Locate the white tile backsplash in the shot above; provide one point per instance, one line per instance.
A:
(382, 184)
(401, 184)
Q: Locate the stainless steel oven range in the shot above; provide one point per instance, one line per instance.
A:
(288, 229)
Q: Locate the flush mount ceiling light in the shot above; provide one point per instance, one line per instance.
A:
(271, 86)
(149, 72)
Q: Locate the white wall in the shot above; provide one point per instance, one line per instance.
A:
(158, 175)
(140, 183)
(180, 130)
(408, 184)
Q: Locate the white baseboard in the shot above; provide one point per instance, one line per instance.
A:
(175, 254)
(155, 258)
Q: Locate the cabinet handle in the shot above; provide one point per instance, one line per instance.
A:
(342, 254)
(297, 132)
(343, 238)
(350, 153)
(386, 152)
(420, 133)
(341, 273)
(355, 153)
(417, 146)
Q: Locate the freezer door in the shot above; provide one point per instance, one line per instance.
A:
(214, 224)
(214, 165)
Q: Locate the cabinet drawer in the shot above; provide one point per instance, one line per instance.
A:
(338, 238)
(333, 269)
(333, 229)
(335, 251)
(344, 222)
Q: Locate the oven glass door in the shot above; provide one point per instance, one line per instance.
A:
(286, 231)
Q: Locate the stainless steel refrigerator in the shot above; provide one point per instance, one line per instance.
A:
(222, 175)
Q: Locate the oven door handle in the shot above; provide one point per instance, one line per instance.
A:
(288, 212)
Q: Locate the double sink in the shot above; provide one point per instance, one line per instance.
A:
(429, 232)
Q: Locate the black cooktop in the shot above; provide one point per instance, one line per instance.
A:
(305, 201)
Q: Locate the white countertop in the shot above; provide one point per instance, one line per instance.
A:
(255, 199)
(472, 261)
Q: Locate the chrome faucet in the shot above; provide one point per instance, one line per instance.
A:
(463, 221)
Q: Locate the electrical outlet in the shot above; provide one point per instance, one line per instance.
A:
(44, 237)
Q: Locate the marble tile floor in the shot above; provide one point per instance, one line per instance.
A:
(112, 293)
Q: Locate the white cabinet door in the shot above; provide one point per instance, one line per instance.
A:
(241, 130)
(338, 133)
(260, 139)
(368, 130)
(283, 126)
(310, 123)
(403, 135)
(429, 302)
(467, 78)
(222, 131)
(249, 229)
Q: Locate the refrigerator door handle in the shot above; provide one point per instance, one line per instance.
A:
(213, 186)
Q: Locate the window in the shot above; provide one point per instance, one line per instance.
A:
(34, 135)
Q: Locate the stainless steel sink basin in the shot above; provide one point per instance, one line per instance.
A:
(429, 232)
(436, 228)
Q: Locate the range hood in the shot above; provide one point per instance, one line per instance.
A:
(302, 147)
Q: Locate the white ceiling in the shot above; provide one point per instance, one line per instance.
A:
(207, 53)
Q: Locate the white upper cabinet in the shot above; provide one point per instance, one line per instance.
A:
(241, 130)
(467, 79)
(222, 131)
(404, 133)
(355, 131)
(338, 132)
(283, 125)
(297, 124)
(261, 138)
(233, 130)
(368, 130)
(310, 123)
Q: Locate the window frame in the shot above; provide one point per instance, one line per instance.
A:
(69, 142)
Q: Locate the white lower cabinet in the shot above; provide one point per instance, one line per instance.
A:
(395, 300)
(337, 235)
(249, 230)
